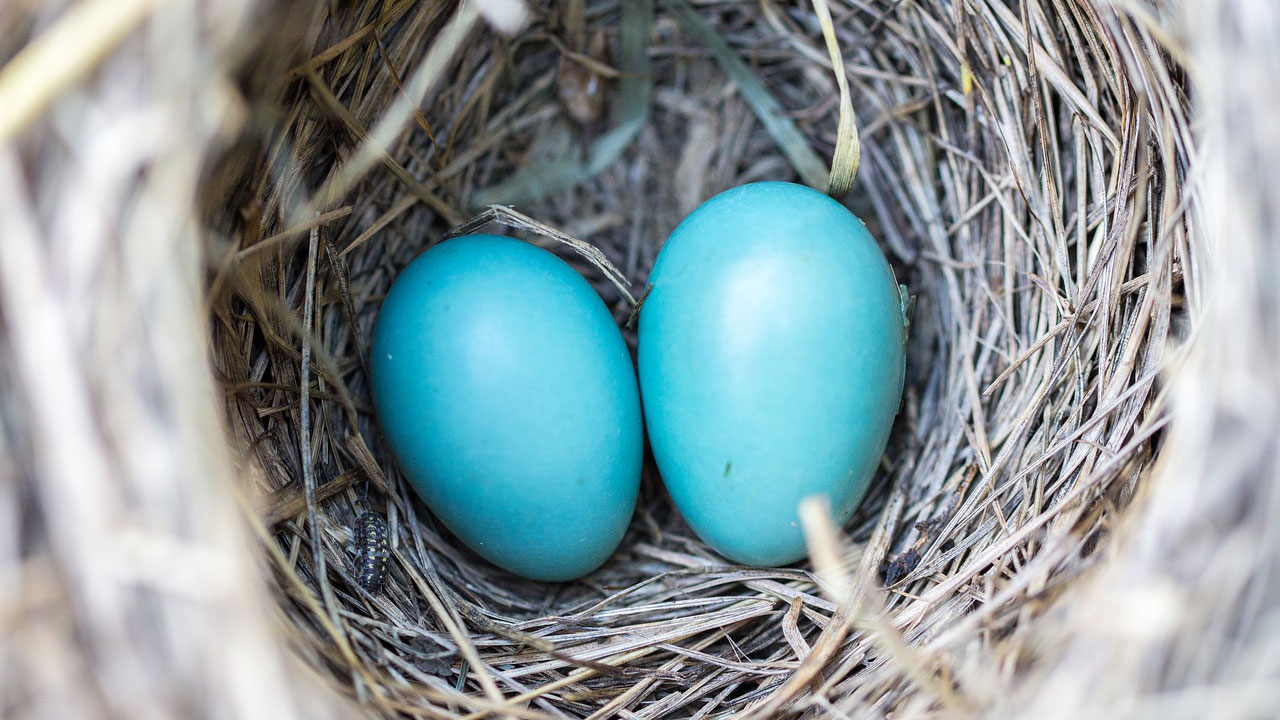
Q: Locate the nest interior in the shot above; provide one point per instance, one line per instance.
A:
(1022, 165)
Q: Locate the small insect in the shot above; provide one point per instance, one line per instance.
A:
(581, 91)
(908, 560)
(582, 75)
(902, 566)
(371, 551)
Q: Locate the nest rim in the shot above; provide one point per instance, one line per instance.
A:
(558, 647)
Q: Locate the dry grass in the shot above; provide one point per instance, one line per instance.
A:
(1030, 168)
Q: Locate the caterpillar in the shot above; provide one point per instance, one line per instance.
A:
(371, 551)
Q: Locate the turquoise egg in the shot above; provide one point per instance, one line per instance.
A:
(505, 390)
(771, 365)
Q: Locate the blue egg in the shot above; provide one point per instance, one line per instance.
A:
(505, 390)
(771, 354)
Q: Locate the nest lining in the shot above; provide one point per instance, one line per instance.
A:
(1031, 201)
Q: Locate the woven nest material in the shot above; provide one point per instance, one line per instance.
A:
(202, 206)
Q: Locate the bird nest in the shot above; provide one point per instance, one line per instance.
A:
(1023, 165)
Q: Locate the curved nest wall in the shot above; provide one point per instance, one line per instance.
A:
(246, 183)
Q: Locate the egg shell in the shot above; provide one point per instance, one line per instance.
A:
(504, 388)
(771, 363)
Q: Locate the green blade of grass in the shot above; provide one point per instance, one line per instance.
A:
(808, 165)
(844, 165)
